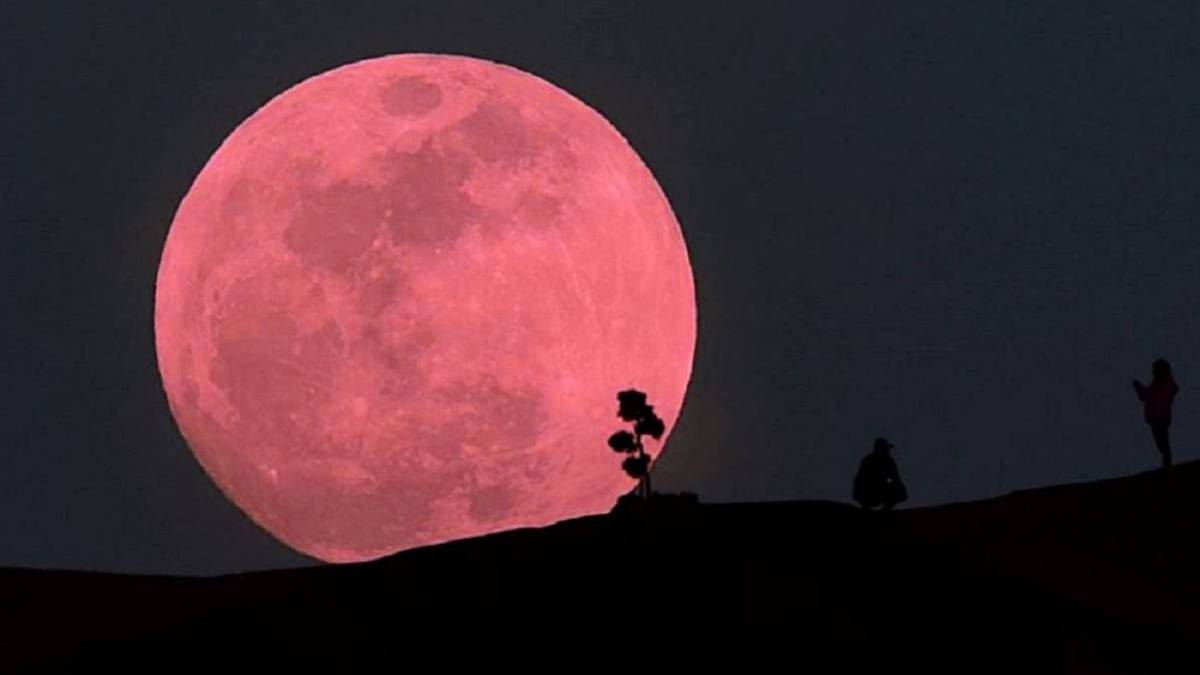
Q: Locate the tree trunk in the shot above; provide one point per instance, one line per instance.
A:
(645, 484)
(646, 492)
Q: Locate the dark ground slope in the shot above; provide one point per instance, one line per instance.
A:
(1090, 578)
(1128, 547)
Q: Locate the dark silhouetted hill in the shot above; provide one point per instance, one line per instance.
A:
(1099, 577)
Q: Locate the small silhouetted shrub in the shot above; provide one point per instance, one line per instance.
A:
(632, 407)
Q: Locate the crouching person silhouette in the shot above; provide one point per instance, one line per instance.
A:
(877, 482)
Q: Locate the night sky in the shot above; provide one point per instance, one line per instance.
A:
(964, 228)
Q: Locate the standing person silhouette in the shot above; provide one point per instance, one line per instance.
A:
(877, 482)
(1157, 399)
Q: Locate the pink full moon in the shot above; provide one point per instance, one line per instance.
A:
(396, 305)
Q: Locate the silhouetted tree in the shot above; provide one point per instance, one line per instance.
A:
(632, 407)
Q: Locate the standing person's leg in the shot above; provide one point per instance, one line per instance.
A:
(1162, 439)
